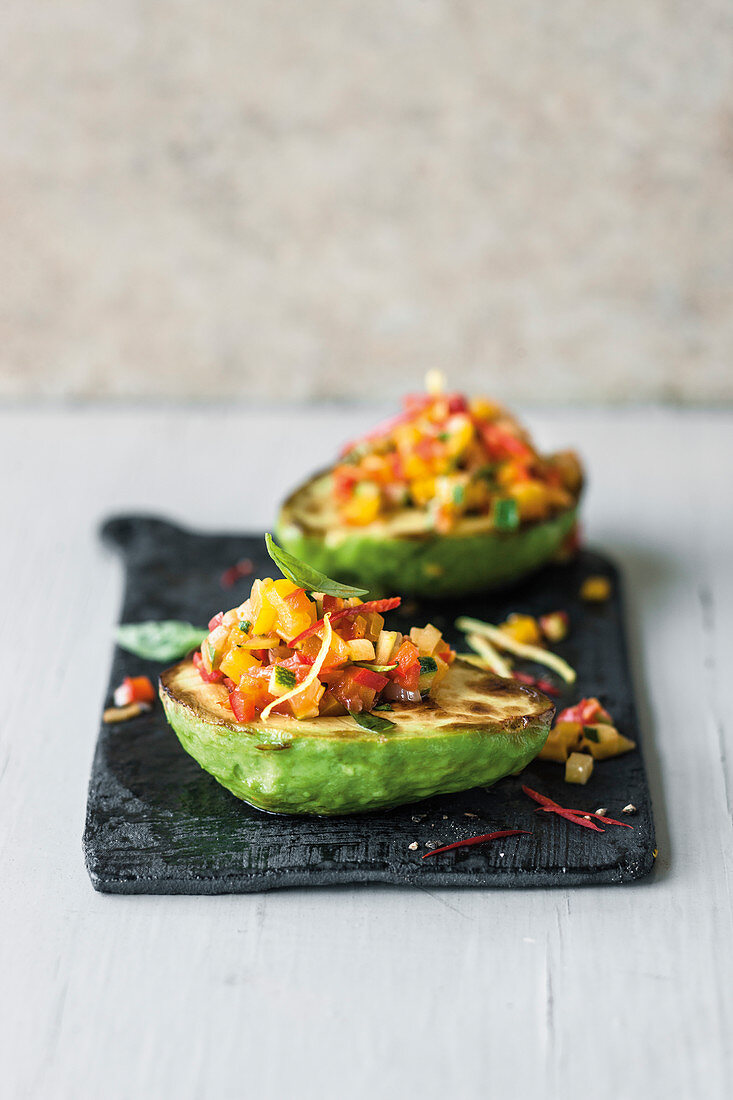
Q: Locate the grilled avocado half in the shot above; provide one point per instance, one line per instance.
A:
(401, 553)
(476, 729)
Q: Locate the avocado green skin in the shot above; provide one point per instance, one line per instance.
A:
(355, 771)
(435, 566)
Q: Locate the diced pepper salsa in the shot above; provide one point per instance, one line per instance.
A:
(266, 650)
(453, 456)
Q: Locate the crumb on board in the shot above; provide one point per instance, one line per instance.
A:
(123, 714)
(629, 809)
(235, 572)
(413, 846)
(595, 589)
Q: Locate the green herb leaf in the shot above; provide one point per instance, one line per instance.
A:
(383, 706)
(167, 640)
(506, 514)
(245, 626)
(305, 576)
(371, 722)
(428, 664)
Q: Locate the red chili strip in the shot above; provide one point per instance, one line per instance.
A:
(478, 840)
(379, 606)
(234, 573)
(596, 817)
(569, 815)
(541, 798)
(555, 808)
(578, 816)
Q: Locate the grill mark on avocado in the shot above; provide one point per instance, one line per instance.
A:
(479, 707)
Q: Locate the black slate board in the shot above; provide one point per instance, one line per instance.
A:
(157, 824)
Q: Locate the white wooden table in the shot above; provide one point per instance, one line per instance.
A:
(367, 992)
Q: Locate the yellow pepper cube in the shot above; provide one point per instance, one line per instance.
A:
(263, 613)
(294, 611)
(338, 651)
(236, 663)
(361, 649)
(532, 497)
(423, 490)
(578, 768)
(460, 435)
(603, 741)
(523, 628)
(563, 739)
(595, 589)
(364, 506)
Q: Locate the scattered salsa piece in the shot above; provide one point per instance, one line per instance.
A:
(523, 628)
(578, 768)
(554, 626)
(235, 572)
(505, 640)
(595, 589)
(586, 727)
(541, 684)
(134, 689)
(123, 714)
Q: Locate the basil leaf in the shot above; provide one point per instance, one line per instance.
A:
(160, 641)
(305, 576)
(371, 722)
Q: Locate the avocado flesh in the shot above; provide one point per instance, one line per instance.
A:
(476, 729)
(402, 553)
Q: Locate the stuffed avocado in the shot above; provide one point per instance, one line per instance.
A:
(450, 497)
(300, 701)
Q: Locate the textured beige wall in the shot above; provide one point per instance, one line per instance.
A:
(309, 198)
